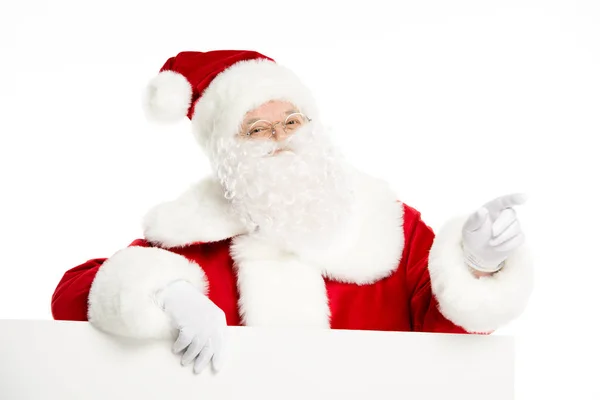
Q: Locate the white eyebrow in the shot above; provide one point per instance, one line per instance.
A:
(253, 120)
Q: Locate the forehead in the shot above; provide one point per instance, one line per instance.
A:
(273, 108)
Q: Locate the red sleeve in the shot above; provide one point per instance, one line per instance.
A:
(70, 298)
(425, 314)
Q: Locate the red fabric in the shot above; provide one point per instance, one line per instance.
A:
(401, 302)
(69, 301)
(200, 68)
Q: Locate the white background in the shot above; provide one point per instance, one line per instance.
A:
(454, 103)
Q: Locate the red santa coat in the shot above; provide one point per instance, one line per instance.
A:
(394, 275)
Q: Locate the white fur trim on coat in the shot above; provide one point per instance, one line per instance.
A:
(201, 214)
(477, 304)
(122, 297)
(371, 248)
(276, 289)
(373, 245)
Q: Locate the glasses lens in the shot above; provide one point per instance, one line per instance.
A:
(294, 122)
(260, 129)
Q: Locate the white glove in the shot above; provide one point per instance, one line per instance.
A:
(201, 325)
(492, 233)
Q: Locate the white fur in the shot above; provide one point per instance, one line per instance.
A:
(122, 297)
(300, 200)
(167, 97)
(370, 251)
(219, 112)
(276, 289)
(374, 243)
(201, 214)
(477, 304)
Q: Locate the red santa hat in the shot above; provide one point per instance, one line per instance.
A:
(216, 89)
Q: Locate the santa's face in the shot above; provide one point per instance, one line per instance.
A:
(284, 179)
(274, 120)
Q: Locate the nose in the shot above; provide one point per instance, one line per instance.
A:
(278, 133)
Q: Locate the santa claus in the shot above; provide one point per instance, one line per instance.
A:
(285, 233)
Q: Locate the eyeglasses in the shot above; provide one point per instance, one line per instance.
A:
(265, 129)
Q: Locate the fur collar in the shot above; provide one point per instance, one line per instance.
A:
(200, 215)
(372, 251)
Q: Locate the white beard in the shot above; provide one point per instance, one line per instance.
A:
(300, 201)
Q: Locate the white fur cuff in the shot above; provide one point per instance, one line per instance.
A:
(122, 297)
(477, 304)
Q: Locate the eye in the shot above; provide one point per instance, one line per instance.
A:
(294, 121)
(258, 130)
